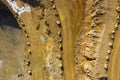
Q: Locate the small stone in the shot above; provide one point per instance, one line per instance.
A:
(58, 22)
(106, 66)
(59, 33)
(107, 58)
(60, 40)
(61, 72)
(110, 44)
(59, 56)
(118, 9)
(113, 32)
(28, 63)
(19, 20)
(53, 7)
(109, 51)
(56, 14)
(29, 72)
(116, 26)
(112, 37)
(28, 43)
(60, 47)
(51, 0)
(118, 17)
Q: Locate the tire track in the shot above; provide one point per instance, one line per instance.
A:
(113, 68)
(110, 21)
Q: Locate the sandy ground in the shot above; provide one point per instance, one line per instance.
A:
(65, 40)
(71, 29)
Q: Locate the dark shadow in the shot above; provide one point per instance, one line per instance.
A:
(34, 3)
(103, 78)
(7, 18)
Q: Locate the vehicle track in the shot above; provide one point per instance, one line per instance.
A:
(109, 25)
(114, 65)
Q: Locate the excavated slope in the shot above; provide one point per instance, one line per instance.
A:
(59, 40)
(11, 47)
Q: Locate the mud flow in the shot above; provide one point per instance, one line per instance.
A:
(11, 47)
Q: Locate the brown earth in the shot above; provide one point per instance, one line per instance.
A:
(60, 40)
